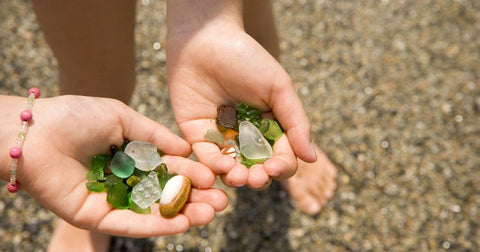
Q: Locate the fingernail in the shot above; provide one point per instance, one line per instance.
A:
(314, 152)
(328, 194)
(314, 208)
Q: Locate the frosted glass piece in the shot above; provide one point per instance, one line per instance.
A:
(145, 155)
(147, 191)
(252, 143)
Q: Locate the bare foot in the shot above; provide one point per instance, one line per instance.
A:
(313, 184)
(69, 238)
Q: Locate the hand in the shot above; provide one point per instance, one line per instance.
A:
(212, 61)
(66, 131)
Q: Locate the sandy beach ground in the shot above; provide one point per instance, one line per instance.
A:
(393, 92)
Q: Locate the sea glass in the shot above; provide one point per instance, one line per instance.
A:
(122, 165)
(95, 186)
(111, 180)
(147, 191)
(252, 143)
(118, 195)
(270, 129)
(231, 149)
(227, 116)
(162, 174)
(246, 112)
(95, 175)
(133, 180)
(99, 161)
(214, 136)
(145, 155)
(134, 207)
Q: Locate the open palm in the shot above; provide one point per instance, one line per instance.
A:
(67, 131)
(214, 65)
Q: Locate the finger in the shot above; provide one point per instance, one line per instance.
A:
(138, 127)
(210, 155)
(258, 179)
(194, 130)
(236, 177)
(283, 164)
(207, 153)
(199, 213)
(268, 115)
(97, 215)
(131, 224)
(217, 198)
(201, 176)
(289, 111)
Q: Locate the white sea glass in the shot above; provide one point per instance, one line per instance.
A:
(252, 143)
(172, 189)
(145, 155)
(147, 191)
(215, 136)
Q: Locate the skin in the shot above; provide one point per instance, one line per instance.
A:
(100, 50)
(201, 47)
(66, 132)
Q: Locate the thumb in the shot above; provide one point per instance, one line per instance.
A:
(138, 127)
(289, 111)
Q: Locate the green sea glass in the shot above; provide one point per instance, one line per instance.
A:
(95, 186)
(117, 196)
(270, 129)
(246, 112)
(140, 174)
(95, 175)
(162, 173)
(111, 180)
(122, 165)
(99, 161)
(133, 180)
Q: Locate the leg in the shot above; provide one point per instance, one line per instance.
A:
(69, 238)
(93, 42)
(260, 24)
(313, 183)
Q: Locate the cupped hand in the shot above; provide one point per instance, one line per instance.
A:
(211, 61)
(64, 134)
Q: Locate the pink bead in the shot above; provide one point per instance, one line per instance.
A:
(35, 91)
(15, 152)
(13, 188)
(26, 115)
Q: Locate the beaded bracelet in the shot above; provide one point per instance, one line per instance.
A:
(16, 151)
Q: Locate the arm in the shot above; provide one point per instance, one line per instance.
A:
(66, 132)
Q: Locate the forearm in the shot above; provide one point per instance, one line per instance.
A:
(189, 16)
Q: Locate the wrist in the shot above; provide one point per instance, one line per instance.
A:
(11, 108)
(15, 151)
(190, 16)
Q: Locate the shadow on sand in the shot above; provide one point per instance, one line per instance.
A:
(260, 220)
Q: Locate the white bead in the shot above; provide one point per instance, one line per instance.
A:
(24, 127)
(13, 165)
